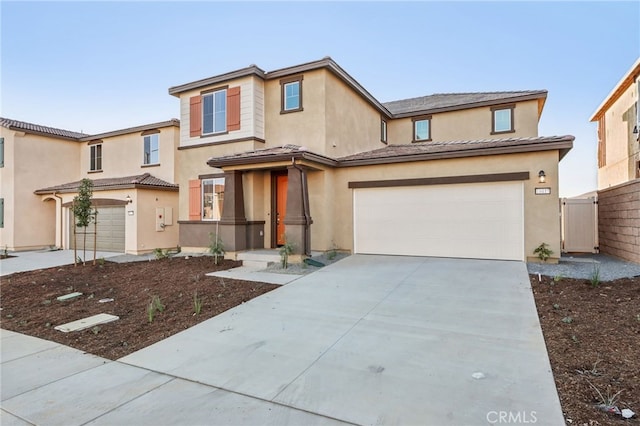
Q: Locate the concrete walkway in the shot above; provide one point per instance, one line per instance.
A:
(42, 259)
(367, 340)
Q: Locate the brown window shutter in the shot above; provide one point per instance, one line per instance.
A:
(233, 108)
(195, 116)
(194, 200)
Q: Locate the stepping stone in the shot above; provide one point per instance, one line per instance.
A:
(69, 296)
(83, 324)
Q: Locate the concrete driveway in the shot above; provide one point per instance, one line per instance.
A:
(367, 340)
(41, 259)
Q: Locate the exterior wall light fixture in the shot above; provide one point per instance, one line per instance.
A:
(542, 178)
(128, 199)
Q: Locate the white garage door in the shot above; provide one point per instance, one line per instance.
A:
(479, 220)
(111, 230)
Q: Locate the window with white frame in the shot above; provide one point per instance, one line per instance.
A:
(502, 119)
(152, 149)
(291, 94)
(95, 162)
(214, 112)
(212, 198)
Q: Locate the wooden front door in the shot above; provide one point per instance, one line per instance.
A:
(281, 207)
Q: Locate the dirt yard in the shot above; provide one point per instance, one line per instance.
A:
(592, 332)
(593, 340)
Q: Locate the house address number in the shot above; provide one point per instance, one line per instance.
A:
(543, 191)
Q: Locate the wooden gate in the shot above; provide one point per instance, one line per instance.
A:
(580, 225)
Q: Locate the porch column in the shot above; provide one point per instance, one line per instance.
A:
(298, 217)
(233, 229)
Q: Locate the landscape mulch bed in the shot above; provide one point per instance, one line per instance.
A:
(29, 305)
(592, 333)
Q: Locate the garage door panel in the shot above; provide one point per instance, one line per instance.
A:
(467, 220)
(111, 230)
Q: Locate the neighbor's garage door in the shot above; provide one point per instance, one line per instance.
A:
(111, 230)
(479, 220)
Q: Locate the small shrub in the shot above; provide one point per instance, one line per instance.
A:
(567, 320)
(285, 251)
(594, 279)
(216, 247)
(160, 254)
(558, 278)
(157, 303)
(101, 261)
(197, 303)
(151, 311)
(543, 252)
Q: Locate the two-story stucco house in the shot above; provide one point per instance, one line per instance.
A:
(307, 155)
(618, 118)
(133, 171)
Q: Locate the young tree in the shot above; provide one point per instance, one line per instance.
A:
(83, 213)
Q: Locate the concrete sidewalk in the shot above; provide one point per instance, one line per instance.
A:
(367, 340)
(42, 259)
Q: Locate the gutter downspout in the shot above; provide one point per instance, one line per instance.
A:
(61, 218)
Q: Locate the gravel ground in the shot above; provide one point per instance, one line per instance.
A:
(583, 267)
(302, 268)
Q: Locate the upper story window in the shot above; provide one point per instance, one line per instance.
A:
(95, 162)
(214, 112)
(383, 131)
(291, 94)
(212, 198)
(152, 149)
(502, 119)
(422, 129)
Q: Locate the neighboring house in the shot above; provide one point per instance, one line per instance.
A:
(306, 155)
(618, 118)
(133, 171)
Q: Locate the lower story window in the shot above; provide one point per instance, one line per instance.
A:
(212, 198)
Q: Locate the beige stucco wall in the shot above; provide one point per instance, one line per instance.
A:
(469, 124)
(251, 112)
(123, 156)
(541, 211)
(305, 128)
(352, 124)
(622, 148)
(33, 162)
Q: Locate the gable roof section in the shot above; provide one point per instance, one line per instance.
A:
(37, 129)
(442, 102)
(420, 151)
(439, 102)
(144, 181)
(624, 83)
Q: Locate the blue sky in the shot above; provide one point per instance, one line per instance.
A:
(100, 66)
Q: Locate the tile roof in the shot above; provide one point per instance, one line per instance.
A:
(401, 153)
(472, 147)
(440, 101)
(139, 181)
(36, 128)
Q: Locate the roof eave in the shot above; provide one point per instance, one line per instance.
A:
(618, 89)
(244, 72)
(50, 135)
(271, 158)
(563, 146)
(46, 191)
(169, 123)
